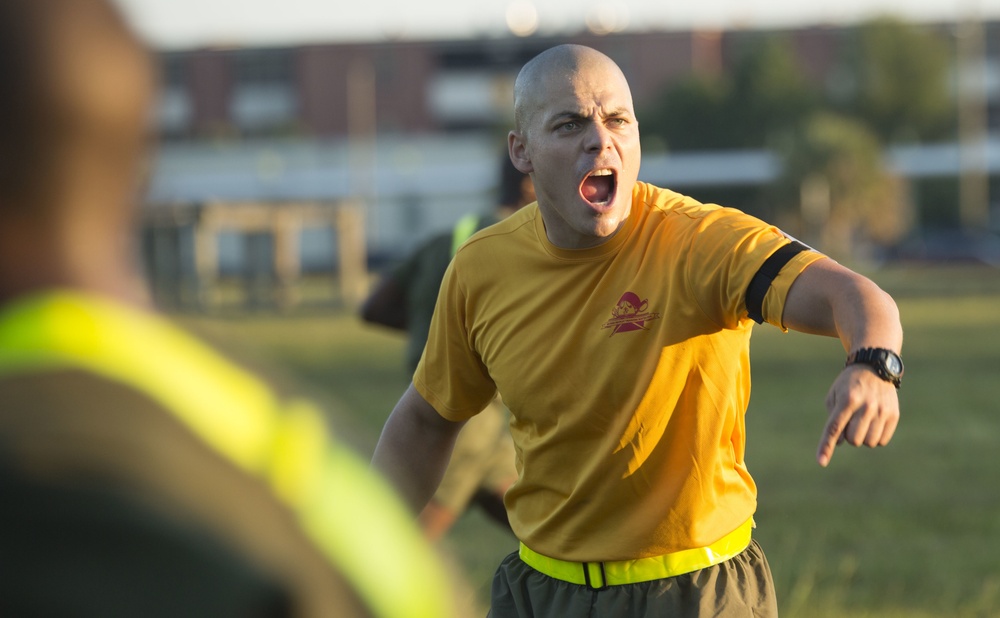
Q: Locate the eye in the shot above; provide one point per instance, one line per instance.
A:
(618, 122)
(571, 125)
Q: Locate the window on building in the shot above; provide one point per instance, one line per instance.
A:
(173, 110)
(264, 95)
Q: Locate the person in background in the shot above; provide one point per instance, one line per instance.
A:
(614, 317)
(141, 473)
(482, 463)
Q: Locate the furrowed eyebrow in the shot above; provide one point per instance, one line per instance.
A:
(561, 116)
(568, 115)
(619, 112)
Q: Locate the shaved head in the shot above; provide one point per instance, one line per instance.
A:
(76, 88)
(74, 83)
(576, 134)
(559, 63)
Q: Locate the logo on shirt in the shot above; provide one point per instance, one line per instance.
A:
(630, 314)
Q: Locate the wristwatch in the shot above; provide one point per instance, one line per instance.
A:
(886, 363)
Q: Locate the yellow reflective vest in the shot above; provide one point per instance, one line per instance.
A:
(345, 509)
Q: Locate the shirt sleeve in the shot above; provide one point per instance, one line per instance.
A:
(774, 300)
(727, 249)
(451, 375)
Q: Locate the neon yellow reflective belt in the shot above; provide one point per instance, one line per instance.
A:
(349, 512)
(602, 574)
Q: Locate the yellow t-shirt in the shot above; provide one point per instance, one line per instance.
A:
(625, 368)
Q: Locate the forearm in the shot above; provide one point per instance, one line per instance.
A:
(867, 317)
(414, 449)
(828, 299)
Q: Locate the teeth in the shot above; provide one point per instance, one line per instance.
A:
(601, 173)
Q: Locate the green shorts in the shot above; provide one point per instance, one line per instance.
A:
(741, 587)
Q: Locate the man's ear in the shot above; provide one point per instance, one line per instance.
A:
(518, 150)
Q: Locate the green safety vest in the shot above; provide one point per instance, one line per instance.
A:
(347, 511)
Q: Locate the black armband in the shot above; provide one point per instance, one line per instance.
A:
(761, 281)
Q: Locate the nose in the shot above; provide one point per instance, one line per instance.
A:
(597, 138)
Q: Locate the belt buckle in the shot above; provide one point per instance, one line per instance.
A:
(586, 576)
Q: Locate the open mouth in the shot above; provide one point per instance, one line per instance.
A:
(599, 187)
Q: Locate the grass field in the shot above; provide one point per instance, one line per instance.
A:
(911, 530)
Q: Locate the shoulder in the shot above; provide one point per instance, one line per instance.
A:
(675, 218)
(665, 202)
(119, 462)
(508, 233)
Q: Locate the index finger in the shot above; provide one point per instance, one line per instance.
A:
(832, 433)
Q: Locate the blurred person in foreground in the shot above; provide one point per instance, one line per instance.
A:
(614, 318)
(141, 474)
(482, 463)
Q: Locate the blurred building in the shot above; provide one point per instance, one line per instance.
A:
(419, 87)
(448, 86)
(410, 131)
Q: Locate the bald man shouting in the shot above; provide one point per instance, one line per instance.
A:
(614, 318)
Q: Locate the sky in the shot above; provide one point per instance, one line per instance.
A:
(199, 23)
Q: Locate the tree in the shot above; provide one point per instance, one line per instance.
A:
(836, 189)
(894, 77)
(770, 91)
(765, 93)
(692, 115)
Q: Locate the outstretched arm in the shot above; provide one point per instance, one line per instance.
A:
(829, 299)
(414, 448)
